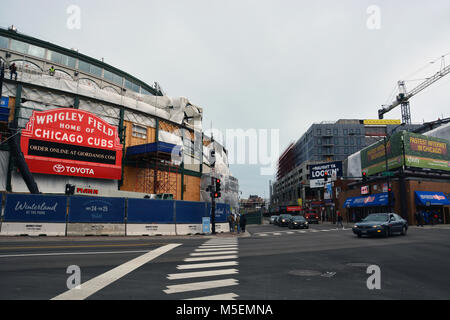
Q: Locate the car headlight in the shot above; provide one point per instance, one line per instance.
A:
(306, 222)
(355, 226)
(376, 226)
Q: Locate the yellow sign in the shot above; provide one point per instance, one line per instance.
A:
(381, 121)
(300, 201)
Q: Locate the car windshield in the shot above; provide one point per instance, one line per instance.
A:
(376, 217)
(285, 216)
(299, 218)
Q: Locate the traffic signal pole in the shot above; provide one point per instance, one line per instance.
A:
(213, 206)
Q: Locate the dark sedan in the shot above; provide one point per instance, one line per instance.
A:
(298, 222)
(383, 224)
(283, 220)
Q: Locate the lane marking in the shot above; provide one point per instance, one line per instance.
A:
(226, 296)
(225, 246)
(85, 246)
(92, 286)
(194, 286)
(188, 275)
(215, 249)
(207, 265)
(211, 258)
(212, 253)
(66, 253)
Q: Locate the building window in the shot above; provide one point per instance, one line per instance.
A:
(336, 141)
(346, 150)
(3, 42)
(319, 141)
(319, 132)
(19, 46)
(352, 141)
(358, 131)
(139, 131)
(345, 132)
(346, 141)
(329, 132)
(84, 66)
(336, 132)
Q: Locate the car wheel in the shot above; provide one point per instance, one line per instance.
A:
(404, 230)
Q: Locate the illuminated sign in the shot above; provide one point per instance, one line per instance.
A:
(72, 142)
(382, 122)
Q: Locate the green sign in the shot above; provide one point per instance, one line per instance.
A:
(426, 152)
(419, 151)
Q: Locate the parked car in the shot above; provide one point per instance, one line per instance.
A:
(383, 224)
(312, 216)
(272, 219)
(283, 220)
(298, 222)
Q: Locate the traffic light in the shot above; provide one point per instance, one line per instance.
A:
(70, 189)
(217, 193)
(326, 176)
(364, 176)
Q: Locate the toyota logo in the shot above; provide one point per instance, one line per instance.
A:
(58, 168)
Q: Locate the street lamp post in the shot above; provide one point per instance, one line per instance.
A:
(388, 178)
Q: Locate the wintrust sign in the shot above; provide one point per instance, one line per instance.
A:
(72, 142)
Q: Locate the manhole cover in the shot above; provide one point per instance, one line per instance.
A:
(358, 264)
(305, 273)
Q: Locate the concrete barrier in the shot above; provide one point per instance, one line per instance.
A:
(150, 229)
(95, 229)
(32, 229)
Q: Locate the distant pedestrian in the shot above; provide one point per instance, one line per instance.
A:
(243, 222)
(13, 71)
(231, 222)
(238, 225)
(339, 220)
(419, 218)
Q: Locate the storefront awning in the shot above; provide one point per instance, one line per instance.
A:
(428, 198)
(374, 200)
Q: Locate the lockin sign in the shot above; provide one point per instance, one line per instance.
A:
(72, 142)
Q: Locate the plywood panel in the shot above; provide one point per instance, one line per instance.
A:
(134, 141)
(192, 192)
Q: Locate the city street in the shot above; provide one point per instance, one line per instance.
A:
(268, 263)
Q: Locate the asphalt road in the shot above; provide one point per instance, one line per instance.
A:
(270, 263)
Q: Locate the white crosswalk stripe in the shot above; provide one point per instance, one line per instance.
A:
(213, 259)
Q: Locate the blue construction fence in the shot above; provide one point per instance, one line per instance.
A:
(84, 209)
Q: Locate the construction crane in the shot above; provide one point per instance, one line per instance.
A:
(403, 97)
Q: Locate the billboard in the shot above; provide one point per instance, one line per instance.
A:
(409, 149)
(72, 142)
(317, 173)
(35, 208)
(426, 152)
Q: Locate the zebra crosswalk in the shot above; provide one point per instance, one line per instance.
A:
(211, 268)
(293, 232)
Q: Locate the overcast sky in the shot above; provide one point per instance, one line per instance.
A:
(261, 64)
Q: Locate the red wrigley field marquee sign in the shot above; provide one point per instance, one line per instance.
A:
(71, 142)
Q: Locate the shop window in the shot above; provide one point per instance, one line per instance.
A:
(139, 131)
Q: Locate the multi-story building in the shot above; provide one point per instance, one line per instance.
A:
(324, 142)
(160, 147)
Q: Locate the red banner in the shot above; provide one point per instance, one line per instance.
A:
(72, 142)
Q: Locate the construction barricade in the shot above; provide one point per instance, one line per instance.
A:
(94, 216)
(146, 217)
(34, 215)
